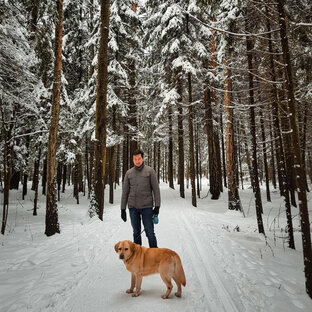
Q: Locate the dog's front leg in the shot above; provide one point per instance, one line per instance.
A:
(133, 280)
(138, 278)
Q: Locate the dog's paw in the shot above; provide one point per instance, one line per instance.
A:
(135, 295)
(164, 297)
(177, 294)
(129, 291)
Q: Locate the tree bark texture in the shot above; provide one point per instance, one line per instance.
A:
(264, 149)
(36, 181)
(279, 149)
(101, 111)
(233, 195)
(125, 151)
(7, 167)
(212, 153)
(170, 149)
(44, 176)
(132, 96)
(180, 136)
(25, 178)
(59, 180)
(254, 160)
(52, 224)
(299, 172)
(112, 161)
(191, 143)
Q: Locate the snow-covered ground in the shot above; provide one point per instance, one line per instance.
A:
(78, 270)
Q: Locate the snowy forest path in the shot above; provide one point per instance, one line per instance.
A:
(211, 283)
(199, 256)
(79, 270)
(104, 283)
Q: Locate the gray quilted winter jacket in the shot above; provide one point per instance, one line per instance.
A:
(140, 188)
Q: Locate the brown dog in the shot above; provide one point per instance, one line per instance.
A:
(142, 261)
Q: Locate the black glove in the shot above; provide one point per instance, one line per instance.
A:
(123, 215)
(156, 211)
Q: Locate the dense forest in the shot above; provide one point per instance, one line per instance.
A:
(220, 89)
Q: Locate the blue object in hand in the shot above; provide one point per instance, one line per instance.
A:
(155, 219)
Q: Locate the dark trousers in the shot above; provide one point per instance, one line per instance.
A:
(146, 215)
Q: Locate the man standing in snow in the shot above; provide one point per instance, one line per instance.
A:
(140, 190)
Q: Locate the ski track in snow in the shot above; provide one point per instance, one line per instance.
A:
(80, 271)
(212, 281)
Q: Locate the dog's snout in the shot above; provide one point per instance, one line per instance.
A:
(122, 256)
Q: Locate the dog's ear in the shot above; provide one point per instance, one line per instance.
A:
(116, 246)
(132, 246)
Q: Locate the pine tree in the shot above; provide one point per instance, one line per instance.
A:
(233, 195)
(300, 174)
(101, 108)
(52, 224)
(255, 183)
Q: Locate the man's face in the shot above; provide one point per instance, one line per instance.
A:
(138, 160)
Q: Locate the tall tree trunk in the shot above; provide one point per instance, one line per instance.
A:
(89, 142)
(300, 174)
(223, 150)
(180, 135)
(7, 166)
(26, 168)
(264, 149)
(59, 180)
(36, 181)
(69, 174)
(239, 152)
(112, 166)
(191, 143)
(76, 179)
(155, 156)
(218, 156)
(216, 146)
(303, 137)
(310, 165)
(233, 195)
(117, 172)
(213, 144)
(158, 161)
(101, 110)
(256, 189)
(91, 166)
(112, 162)
(288, 146)
(197, 151)
(87, 167)
(248, 161)
(280, 154)
(64, 177)
(15, 179)
(52, 224)
(80, 172)
(213, 172)
(273, 170)
(125, 150)
(44, 176)
(132, 95)
(170, 149)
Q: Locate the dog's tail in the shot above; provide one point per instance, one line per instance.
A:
(179, 272)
